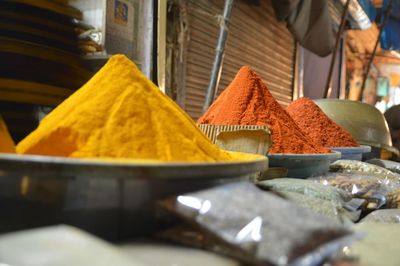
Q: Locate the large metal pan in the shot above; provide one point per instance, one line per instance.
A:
(109, 199)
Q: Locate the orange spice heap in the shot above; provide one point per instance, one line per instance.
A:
(6, 142)
(247, 101)
(312, 121)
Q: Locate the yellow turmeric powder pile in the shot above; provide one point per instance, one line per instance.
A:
(6, 142)
(119, 113)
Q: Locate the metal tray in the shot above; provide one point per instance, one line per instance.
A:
(114, 200)
(128, 169)
(15, 90)
(39, 51)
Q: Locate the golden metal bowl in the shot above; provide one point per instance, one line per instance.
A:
(364, 122)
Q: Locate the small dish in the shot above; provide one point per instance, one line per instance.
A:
(352, 153)
(303, 165)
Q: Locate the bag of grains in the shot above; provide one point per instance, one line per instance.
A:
(352, 166)
(393, 198)
(259, 227)
(389, 165)
(360, 185)
(326, 200)
(306, 187)
(383, 216)
(330, 209)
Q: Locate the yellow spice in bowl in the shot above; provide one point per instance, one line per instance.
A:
(120, 113)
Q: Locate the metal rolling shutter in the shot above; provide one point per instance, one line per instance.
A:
(255, 39)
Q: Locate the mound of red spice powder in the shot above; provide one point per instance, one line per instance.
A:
(316, 124)
(247, 101)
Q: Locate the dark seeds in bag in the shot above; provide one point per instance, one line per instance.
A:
(267, 228)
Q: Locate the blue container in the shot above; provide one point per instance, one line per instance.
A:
(353, 153)
(303, 165)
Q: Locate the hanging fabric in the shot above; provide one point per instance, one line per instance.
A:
(310, 23)
(368, 8)
(390, 38)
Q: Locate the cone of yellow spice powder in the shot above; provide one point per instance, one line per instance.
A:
(120, 113)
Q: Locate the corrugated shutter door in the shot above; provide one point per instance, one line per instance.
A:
(255, 39)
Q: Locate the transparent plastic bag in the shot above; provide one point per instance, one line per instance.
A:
(306, 187)
(372, 188)
(352, 166)
(383, 216)
(325, 200)
(378, 190)
(259, 227)
(389, 165)
(393, 198)
(330, 209)
(188, 235)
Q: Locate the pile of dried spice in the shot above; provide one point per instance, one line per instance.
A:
(6, 142)
(313, 122)
(120, 113)
(247, 101)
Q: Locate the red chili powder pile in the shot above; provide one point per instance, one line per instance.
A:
(313, 122)
(247, 101)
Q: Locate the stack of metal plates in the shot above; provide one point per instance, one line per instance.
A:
(39, 51)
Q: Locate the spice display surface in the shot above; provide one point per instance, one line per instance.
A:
(6, 142)
(120, 113)
(313, 122)
(247, 101)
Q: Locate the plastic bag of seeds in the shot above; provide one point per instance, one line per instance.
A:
(393, 199)
(370, 187)
(325, 200)
(306, 187)
(330, 209)
(378, 191)
(259, 227)
(383, 216)
(352, 166)
(389, 165)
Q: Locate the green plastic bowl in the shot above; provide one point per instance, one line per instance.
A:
(303, 165)
(364, 122)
